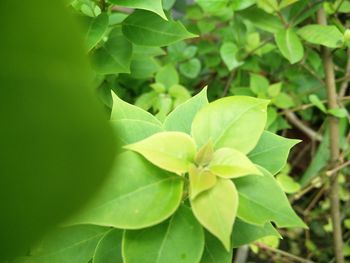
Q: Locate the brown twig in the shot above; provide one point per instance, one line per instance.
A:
(334, 144)
(294, 120)
(283, 253)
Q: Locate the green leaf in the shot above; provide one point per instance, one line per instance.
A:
(274, 89)
(179, 239)
(148, 196)
(269, 6)
(339, 112)
(172, 151)
(228, 53)
(180, 94)
(70, 244)
(287, 183)
(109, 249)
(205, 154)
(259, 84)
(131, 123)
(242, 4)
(214, 252)
(235, 122)
(285, 3)
(328, 36)
(244, 233)
(212, 7)
(54, 133)
(290, 45)
(167, 76)
(96, 30)
(262, 20)
(216, 210)
(272, 151)
(158, 32)
(283, 101)
(124, 111)
(150, 5)
(200, 181)
(191, 68)
(230, 163)
(143, 67)
(114, 56)
(262, 200)
(181, 118)
(317, 102)
(131, 131)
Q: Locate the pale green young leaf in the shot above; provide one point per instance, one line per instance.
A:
(109, 249)
(150, 5)
(136, 195)
(179, 93)
(272, 151)
(214, 252)
(167, 76)
(234, 122)
(200, 181)
(317, 102)
(124, 111)
(328, 36)
(283, 101)
(262, 200)
(181, 118)
(69, 244)
(95, 30)
(269, 6)
(213, 7)
(228, 53)
(244, 233)
(114, 56)
(216, 210)
(158, 32)
(290, 45)
(287, 183)
(172, 151)
(230, 163)
(205, 154)
(179, 239)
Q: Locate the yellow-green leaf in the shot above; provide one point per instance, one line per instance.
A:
(216, 210)
(200, 181)
(171, 151)
(230, 163)
(234, 122)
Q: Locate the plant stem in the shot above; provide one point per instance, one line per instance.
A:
(283, 253)
(334, 145)
(293, 119)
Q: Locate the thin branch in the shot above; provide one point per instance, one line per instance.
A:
(283, 253)
(345, 83)
(293, 119)
(334, 144)
(228, 82)
(338, 168)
